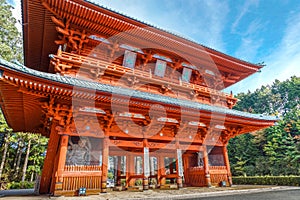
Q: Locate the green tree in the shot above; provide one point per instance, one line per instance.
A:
(10, 37)
(280, 150)
(37, 155)
(242, 159)
(275, 150)
(6, 131)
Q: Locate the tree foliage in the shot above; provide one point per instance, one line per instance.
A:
(10, 37)
(275, 150)
(22, 154)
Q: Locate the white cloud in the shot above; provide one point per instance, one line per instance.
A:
(282, 63)
(202, 21)
(254, 27)
(244, 11)
(248, 48)
(251, 41)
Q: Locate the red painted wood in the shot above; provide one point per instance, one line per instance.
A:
(50, 159)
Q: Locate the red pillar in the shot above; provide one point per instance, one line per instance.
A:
(227, 164)
(105, 154)
(186, 168)
(206, 167)
(52, 150)
(130, 166)
(61, 162)
(161, 170)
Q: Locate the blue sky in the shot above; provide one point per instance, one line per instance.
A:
(253, 30)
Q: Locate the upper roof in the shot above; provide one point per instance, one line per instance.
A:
(40, 34)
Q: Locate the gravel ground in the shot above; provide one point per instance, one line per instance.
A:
(185, 193)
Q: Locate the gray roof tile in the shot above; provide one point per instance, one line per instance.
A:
(131, 93)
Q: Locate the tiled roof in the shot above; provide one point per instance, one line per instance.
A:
(130, 92)
(164, 30)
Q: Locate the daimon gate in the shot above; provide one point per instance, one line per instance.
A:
(109, 90)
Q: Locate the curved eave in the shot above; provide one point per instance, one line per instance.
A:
(39, 35)
(58, 83)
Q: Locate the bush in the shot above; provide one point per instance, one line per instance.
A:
(123, 182)
(20, 185)
(267, 180)
(138, 182)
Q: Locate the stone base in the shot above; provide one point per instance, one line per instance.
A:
(135, 188)
(169, 187)
(153, 186)
(118, 188)
(75, 193)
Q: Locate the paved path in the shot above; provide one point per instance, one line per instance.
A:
(272, 195)
(267, 193)
(233, 193)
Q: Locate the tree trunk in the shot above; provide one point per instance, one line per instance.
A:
(33, 172)
(31, 177)
(18, 162)
(26, 160)
(4, 154)
(17, 154)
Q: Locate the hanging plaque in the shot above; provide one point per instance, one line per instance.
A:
(129, 59)
(180, 166)
(186, 74)
(146, 162)
(160, 68)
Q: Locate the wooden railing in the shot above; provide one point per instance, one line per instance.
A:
(89, 182)
(91, 63)
(71, 168)
(216, 178)
(217, 168)
(218, 174)
(75, 177)
(198, 168)
(195, 176)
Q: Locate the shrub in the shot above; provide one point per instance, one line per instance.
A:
(267, 180)
(20, 185)
(123, 182)
(138, 182)
(153, 181)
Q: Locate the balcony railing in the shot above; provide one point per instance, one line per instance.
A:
(66, 63)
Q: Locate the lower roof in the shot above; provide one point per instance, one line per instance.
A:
(127, 92)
